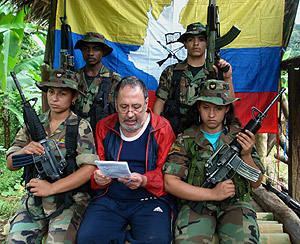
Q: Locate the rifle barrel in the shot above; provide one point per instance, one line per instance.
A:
(18, 86)
(274, 100)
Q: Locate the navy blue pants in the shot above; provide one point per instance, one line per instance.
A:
(105, 221)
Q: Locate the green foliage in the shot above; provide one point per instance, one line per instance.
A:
(11, 189)
(8, 206)
(293, 48)
(279, 169)
(21, 49)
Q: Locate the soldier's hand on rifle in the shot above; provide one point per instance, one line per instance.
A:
(40, 188)
(33, 148)
(247, 141)
(225, 66)
(101, 179)
(224, 190)
(227, 70)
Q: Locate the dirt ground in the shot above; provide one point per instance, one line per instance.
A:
(2, 224)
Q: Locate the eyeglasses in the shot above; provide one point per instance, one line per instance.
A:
(124, 109)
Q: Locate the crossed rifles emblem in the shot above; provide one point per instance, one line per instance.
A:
(170, 38)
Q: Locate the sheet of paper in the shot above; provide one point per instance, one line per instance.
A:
(113, 169)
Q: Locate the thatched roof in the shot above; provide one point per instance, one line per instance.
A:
(39, 10)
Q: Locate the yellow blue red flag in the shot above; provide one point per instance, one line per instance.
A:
(143, 35)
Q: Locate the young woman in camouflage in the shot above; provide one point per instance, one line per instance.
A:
(45, 197)
(224, 209)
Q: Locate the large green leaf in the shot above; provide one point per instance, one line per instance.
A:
(9, 52)
(12, 27)
(16, 111)
(29, 64)
(26, 79)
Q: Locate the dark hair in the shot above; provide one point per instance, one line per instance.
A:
(193, 116)
(201, 34)
(131, 81)
(74, 92)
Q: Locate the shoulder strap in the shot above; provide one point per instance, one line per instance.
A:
(103, 89)
(71, 138)
(71, 146)
(177, 74)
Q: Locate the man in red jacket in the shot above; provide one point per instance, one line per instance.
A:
(135, 135)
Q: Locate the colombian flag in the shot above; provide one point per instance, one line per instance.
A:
(143, 35)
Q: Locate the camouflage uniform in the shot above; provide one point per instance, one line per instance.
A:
(84, 103)
(63, 228)
(234, 220)
(188, 84)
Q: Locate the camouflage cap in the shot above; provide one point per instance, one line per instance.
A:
(61, 78)
(94, 37)
(214, 91)
(193, 29)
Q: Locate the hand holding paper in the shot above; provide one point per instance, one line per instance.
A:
(101, 179)
(113, 169)
(134, 181)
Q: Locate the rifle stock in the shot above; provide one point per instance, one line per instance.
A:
(286, 198)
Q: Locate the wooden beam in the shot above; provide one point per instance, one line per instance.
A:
(286, 64)
(294, 128)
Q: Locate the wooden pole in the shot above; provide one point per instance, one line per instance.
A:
(292, 65)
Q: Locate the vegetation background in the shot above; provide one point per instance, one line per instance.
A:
(22, 47)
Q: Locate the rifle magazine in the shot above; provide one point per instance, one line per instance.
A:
(248, 172)
(21, 160)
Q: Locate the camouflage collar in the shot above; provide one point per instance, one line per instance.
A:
(70, 120)
(182, 65)
(228, 134)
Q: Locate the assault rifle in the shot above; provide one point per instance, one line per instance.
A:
(45, 164)
(286, 198)
(66, 60)
(227, 158)
(214, 41)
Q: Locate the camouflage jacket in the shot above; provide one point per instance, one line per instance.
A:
(84, 104)
(181, 155)
(85, 142)
(189, 85)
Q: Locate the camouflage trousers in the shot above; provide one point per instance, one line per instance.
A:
(234, 223)
(60, 229)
